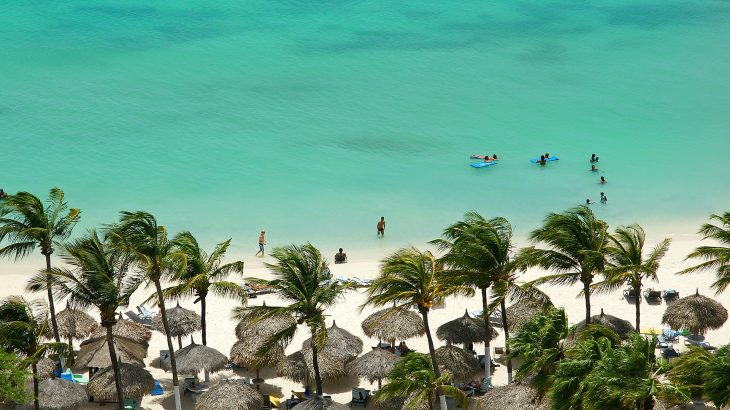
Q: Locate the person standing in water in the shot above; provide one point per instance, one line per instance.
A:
(594, 158)
(603, 180)
(604, 199)
(262, 242)
(381, 227)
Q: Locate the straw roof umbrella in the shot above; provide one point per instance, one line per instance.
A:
(45, 367)
(74, 324)
(95, 352)
(193, 358)
(373, 365)
(340, 343)
(230, 395)
(136, 382)
(511, 396)
(464, 330)
(298, 367)
(462, 364)
(620, 326)
(182, 322)
(265, 328)
(696, 313)
(59, 394)
(245, 353)
(321, 403)
(518, 314)
(127, 329)
(396, 323)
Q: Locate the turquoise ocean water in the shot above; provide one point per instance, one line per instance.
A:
(311, 119)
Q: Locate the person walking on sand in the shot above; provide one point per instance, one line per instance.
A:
(381, 226)
(262, 242)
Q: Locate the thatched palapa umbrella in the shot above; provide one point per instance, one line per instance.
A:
(136, 382)
(512, 396)
(340, 344)
(464, 330)
(95, 352)
(73, 325)
(520, 313)
(59, 394)
(392, 324)
(373, 365)
(45, 367)
(230, 395)
(298, 367)
(194, 358)
(245, 353)
(462, 364)
(248, 329)
(127, 329)
(182, 322)
(321, 403)
(696, 313)
(620, 326)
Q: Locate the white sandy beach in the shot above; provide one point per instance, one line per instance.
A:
(348, 316)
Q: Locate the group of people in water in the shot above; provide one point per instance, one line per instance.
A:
(544, 159)
(604, 198)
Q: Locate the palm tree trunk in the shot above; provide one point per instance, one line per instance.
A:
(202, 319)
(487, 347)
(170, 346)
(434, 362)
(637, 289)
(34, 367)
(315, 364)
(70, 352)
(506, 342)
(587, 295)
(51, 307)
(115, 366)
(179, 341)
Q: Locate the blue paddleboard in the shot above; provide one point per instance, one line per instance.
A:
(483, 164)
(536, 160)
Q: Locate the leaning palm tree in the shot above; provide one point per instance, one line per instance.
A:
(411, 278)
(22, 328)
(146, 245)
(97, 276)
(704, 374)
(302, 278)
(576, 247)
(715, 258)
(627, 264)
(204, 274)
(413, 379)
(27, 223)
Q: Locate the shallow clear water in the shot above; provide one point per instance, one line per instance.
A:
(312, 119)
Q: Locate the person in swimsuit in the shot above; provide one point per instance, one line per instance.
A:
(262, 242)
(603, 180)
(340, 257)
(588, 201)
(593, 168)
(542, 160)
(381, 226)
(594, 158)
(604, 199)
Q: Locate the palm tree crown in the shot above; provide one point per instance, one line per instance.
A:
(27, 223)
(627, 264)
(576, 246)
(301, 277)
(715, 258)
(204, 274)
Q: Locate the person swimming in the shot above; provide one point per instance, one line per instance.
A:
(588, 201)
(603, 180)
(593, 168)
(604, 199)
(594, 158)
(542, 160)
(487, 158)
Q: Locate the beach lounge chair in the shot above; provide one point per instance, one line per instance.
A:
(144, 313)
(80, 379)
(630, 293)
(290, 403)
(670, 295)
(669, 353)
(157, 390)
(67, 375)
(498, 350)
(360, 397)
(651, 294)
(267, 402)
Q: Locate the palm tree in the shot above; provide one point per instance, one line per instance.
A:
(540, 344)
(22, 328)
(628, 264)
(576, 244)
(704, 374)
(479, 254)
(414, 380)
(98, 277)
(204, 274)
(27, 223)
(408, 278)
(715, 258)
(146, 245)
(302, 278)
